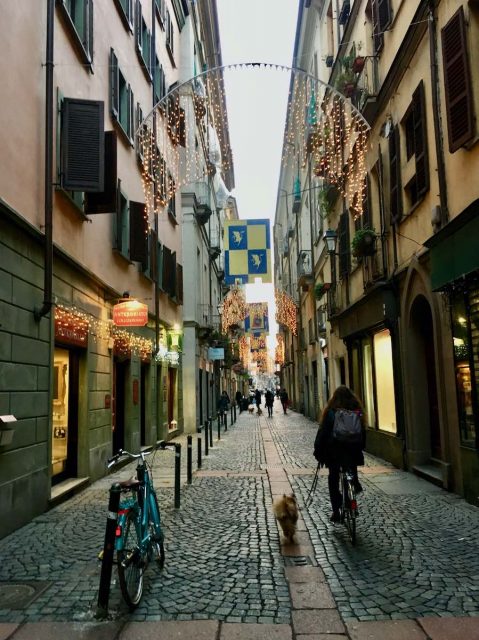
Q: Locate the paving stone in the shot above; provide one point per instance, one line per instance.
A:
(312, 595)
(72, 631)
(451, 628)
(6, 630)
(255, 632)
(392, 630)
(171, 630)
(319, 621)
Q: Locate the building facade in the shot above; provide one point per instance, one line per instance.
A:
(400, 305)
(77, 238)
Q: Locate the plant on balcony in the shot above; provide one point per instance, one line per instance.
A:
(320, 289)
(358, 64)
(364, 242)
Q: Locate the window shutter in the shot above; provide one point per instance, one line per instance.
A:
(457, 80)
(138, 32)
(153, 255)
(131, 113)
(378, 36)
(138, 232)
(179, 284)
(166, 275)
(420, 141)
(172, 291)
(114, 85)
(367, 222)
(82, 145)
(384, 14)
(395, 176)
(344, 248)
(106, 201)
(118, 221)
(159, 264)
(89, 45)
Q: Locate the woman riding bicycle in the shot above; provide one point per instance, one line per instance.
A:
(333, 454)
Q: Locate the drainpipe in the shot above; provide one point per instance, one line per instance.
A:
(436, 113)
(155, 222)
(39, 313)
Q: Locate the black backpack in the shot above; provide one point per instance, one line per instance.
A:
(347, 427)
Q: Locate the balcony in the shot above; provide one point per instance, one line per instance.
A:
(364, 97)
(207, 320)
(204, 207)
(304, 269)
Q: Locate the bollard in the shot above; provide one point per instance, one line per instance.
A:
(108, 551)
(210, 426)
(225, 418)
(234, 411)
(219, 425)
(177, 474)
(207, 440)
(189, 459)
(199, 447)
(231, 415)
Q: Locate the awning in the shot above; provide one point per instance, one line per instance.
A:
(454, 251)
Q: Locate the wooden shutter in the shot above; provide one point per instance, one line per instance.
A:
(138, 31)
(106, 201)
(172, 290)
(179, 283)
(153, 255)
(457, 80)
(114, 85)
(420, 141)
(82, 145)
(89, 46)
(344, 248)
(395, 199)
(166, 275)
(138, 232)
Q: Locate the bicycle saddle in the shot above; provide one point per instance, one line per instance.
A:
(132, 483)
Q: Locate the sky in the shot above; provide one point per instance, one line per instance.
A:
(257, 31)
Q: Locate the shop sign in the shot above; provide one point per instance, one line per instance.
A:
(130, 314)
(216, 353)
(69, 330)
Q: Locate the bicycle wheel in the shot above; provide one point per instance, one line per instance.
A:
(130, 564)
(157, 547)
(349, 497)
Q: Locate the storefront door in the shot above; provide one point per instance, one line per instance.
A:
(118, 405)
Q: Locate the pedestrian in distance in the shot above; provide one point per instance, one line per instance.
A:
(257, 398)
(284, 398)
(269, 400)
(331, 449)
(239, 400)
(223, 403)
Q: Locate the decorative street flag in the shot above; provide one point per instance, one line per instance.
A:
(256, 320)
(247, 251)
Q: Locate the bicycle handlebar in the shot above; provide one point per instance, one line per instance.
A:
(160, 444)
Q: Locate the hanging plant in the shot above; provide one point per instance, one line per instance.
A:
(320, 289)
(364, 242)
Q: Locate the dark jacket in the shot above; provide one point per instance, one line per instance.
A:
(257, 397)
(223, 402)
(327, 451)
(283, 396)
(269, 398)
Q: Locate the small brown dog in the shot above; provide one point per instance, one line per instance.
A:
(251, 408)
(259, 412)
(285, 510)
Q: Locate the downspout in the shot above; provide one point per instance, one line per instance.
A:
(39, 313)
(155, 223)
(441, 170)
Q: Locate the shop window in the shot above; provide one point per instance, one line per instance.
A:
(385, 398)
(464, 366)
(368, 382)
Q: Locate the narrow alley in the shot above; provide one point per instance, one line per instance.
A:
(414, 573)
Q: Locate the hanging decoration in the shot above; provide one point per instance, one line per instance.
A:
(286, 311)
(234, 310)
(256, 320)
(322, 123)
(279, 351)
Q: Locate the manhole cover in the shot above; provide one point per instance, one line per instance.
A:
(297, 561)
(19, 595)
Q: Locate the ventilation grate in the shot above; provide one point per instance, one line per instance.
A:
(297, 561)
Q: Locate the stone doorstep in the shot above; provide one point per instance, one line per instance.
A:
(64, 489)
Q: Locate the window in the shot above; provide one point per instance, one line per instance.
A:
(169, 272)
(125, 8)
(172, 195)
(343, 244)
(416, 145)
(457, 80)
(159, 83)
(143, 41)
(179, 284)
(121, 98)
(139, 233)
(121, 230)
(79, 15)
(160, 6)
(381, 14)
(169, 35)
(395, 195)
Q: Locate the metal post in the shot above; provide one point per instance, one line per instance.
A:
(210, 426)
(189, 459)
(218, 416)
(199, 447)
(108, 551)
(234, 411)
(225, 419)
(207, 440)
(231, 414)
(177, 474)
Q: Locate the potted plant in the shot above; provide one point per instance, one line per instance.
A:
(364, 242)
(358, 64)
(320, 289)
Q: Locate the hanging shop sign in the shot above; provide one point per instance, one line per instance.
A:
(216, 353)
(130, 314)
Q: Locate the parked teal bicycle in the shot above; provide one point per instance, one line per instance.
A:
(139, 536)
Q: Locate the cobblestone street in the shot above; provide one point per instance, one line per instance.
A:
(416, 555)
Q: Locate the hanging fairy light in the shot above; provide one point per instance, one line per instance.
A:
(234, 309)
(279, 350)
(286, 311)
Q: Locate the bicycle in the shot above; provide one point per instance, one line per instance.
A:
(349, 507)
(139, 536)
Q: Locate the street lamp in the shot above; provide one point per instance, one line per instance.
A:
(330, 238)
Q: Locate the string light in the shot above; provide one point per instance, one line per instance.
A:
(286, 311)
(279, 355)
(234, 309)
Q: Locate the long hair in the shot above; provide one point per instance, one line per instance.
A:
(344, 398)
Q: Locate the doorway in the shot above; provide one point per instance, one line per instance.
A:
(425, 406)
(66, 368)
(143, 394)
(118, 405)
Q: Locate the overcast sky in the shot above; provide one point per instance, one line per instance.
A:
(257, 31)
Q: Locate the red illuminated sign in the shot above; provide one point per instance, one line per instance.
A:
(130, 314)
